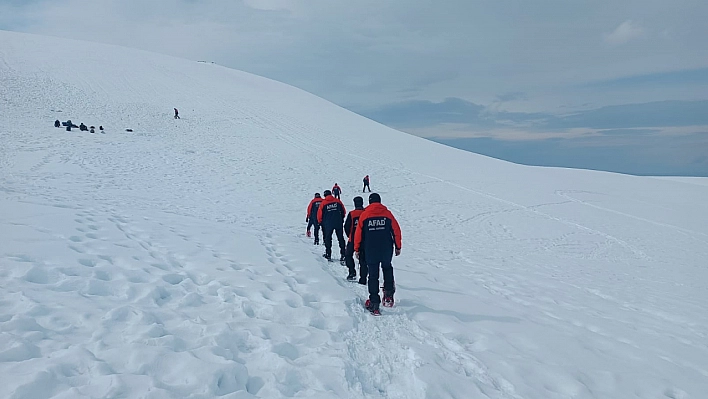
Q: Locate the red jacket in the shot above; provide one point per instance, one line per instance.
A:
(329, 200)
(309, 207)
(377, 231)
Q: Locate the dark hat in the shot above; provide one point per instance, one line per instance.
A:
(358, 201)
(327, 192)
(317, 195)
(374, 197)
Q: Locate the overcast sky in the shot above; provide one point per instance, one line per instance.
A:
(506, 69)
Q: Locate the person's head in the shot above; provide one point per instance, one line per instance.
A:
(317, 195)
(374, 197)
(327, 192)
(358, 202)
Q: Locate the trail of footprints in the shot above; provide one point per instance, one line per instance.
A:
(152, 300)
(147, 297)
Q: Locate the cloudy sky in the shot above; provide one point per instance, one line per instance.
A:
(591, 73)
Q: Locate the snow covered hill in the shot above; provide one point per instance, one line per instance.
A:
(171, 261)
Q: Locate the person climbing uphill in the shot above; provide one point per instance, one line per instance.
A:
(331, 217)
(377, 238)
(311, 218)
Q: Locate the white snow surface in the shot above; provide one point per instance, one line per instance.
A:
(171, 262)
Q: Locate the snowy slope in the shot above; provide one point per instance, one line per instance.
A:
(171, 262)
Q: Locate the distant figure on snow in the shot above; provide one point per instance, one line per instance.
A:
(177, 114)
(366, 184)
(83, 127)
(100, 128)
(336, 191)
(92, 129)
(57, 123)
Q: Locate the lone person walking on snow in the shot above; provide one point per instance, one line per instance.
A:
(311, 218)
(177, 114)
(350, 226)
(331, 217)
(336, 190)
(366, 184)
(377, 235)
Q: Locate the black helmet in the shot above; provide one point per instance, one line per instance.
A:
(358, 201)
(327, 192)
(317, 195)
(374, 197)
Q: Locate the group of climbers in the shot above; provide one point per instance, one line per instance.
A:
(373, 237)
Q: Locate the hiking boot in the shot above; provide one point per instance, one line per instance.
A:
(362, 281)
(387, 300)
(351, 277)
(372, 308)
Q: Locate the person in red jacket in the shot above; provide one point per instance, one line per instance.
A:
(311, 218)
(331, 217)
(377, 238)
(350, 229)
(366, 184)
(336, 190)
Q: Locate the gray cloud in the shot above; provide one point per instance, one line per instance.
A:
(512, 96)
(458, 111)
(419, 113)
(625, 32)
(653, 155)
(654, 114)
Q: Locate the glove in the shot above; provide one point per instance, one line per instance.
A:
(398, 251)
(307, 220)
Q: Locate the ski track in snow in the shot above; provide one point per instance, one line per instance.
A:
(171, 261)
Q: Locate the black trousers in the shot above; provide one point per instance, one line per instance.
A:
(389, 285)
(327, 232)
(313, 222)
(351, 265)
(366, 185)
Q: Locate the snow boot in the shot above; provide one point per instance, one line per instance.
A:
(387, 300)
(372, 308)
